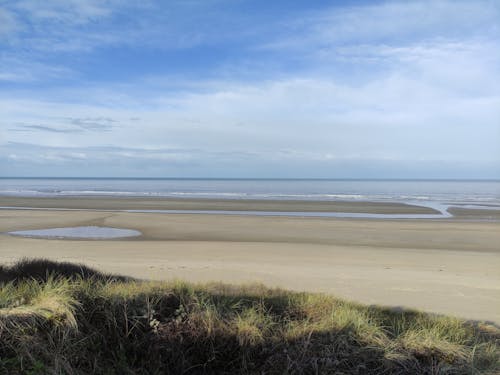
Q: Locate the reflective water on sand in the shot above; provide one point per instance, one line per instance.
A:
(92, 232)
(353, 215)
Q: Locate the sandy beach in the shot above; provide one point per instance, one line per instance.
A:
(445, 266)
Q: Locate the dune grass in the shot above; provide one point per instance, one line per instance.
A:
(57, 319)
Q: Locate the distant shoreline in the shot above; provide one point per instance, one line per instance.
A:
(256, 207)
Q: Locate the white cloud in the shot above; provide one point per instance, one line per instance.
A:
(399, 21)
(68, 12)
(8, 23)
(62, 25)
(395, 117)
(19, 69)
(71, 26)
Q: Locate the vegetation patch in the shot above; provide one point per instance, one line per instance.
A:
(59, 318)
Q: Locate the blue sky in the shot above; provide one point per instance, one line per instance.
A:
(234, 88)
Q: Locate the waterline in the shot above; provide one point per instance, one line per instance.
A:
(442, 212)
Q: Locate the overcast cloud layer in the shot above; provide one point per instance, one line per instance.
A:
(250, 89)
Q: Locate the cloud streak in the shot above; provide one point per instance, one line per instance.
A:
(42, 128)
(70, 125)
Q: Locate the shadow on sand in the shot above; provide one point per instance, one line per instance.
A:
(42, 269)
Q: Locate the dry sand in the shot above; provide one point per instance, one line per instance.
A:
(443, 266)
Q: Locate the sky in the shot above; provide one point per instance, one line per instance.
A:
(234, 88)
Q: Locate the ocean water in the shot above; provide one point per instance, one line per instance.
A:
(470, 193)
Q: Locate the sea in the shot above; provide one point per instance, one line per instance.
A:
(474, 193)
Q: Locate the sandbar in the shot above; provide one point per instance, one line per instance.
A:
(161, 203)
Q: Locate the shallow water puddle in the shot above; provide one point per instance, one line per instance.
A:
(92, 232)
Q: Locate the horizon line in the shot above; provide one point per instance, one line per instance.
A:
(250, 178)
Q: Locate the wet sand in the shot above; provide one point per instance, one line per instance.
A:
(137, 203)
(445, 266)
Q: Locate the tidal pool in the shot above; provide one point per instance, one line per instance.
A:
(91, 232)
